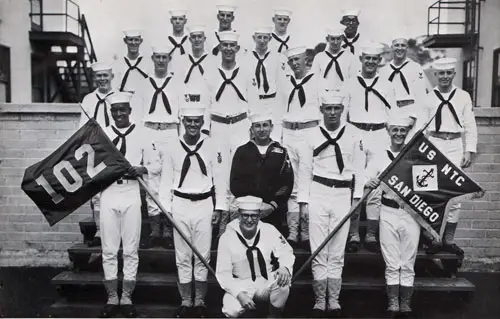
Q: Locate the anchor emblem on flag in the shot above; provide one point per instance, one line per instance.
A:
(425, 178)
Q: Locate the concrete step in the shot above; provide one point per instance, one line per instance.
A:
(81, 253)
(89, 222)
(160, 252)
(156, 294)
(66, 309)
(349, 283)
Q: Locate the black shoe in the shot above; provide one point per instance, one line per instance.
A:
(152, 242)
(305, 245)
(200, 312)
(147, 244)
(252, 314)
(128, 311)
(156, 242)
(352, 246)
(335, 313)
(109, 311)
(94, 242)
(166, 242)
(183, 312)
(454, 249)
(372, 246)
(293, 243)
(433, 248)
(318, 313)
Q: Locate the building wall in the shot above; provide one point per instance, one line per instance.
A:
(479, 226)
(489, 40)
(15, 25)
(29, 133)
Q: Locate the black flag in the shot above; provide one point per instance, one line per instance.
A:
(423, 180)
(86, 164)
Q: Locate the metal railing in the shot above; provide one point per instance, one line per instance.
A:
(89, 46)
(68, 19)
(38, 15)
(71, 15)
(444, 17)
(465, 9)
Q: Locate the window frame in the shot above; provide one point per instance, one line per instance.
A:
(469, 81)
(495, 79)
(5, 58)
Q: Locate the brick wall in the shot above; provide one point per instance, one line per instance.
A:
(479, 225)
(30, 132)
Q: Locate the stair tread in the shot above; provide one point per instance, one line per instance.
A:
(90, 304)
(95, 278)
(65, 308)
(350, 283)
(159, 251)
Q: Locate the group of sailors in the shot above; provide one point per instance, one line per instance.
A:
(273, 147)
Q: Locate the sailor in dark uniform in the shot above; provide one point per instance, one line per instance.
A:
(261, 168)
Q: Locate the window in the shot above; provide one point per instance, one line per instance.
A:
(4, 74)
(495, 92)
(469, 78)
(36, 15)
(37, 79)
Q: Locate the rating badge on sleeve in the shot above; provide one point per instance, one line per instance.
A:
(425, 178)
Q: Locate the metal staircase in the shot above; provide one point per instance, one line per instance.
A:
(62, 52)
(456, 24)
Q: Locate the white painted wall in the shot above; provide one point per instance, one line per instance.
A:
(489, 40)
(15, 24)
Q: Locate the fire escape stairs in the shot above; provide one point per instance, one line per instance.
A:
(67, 55)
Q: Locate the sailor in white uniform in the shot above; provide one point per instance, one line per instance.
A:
(178, 39)
(399, 232)
(159, 97)
(335, 65)
(190, 182)
(280, 41)
(370, 99)
(191, 70)
(350, 19)
(300, 100)
(245, 262)
(225, 16)
(268, 72)
(453, 131)
(330, 178)
(121, 208)
(405, 75)
(96, 106)
(132, 68)
(233, 89)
